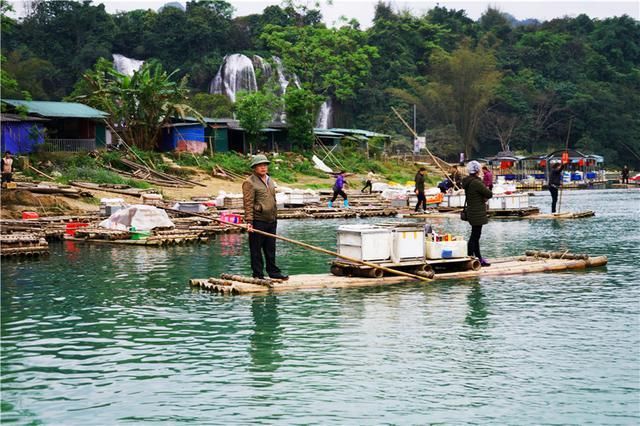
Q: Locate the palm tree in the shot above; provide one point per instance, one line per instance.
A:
(138, 105)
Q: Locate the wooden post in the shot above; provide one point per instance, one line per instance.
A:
(427, 149)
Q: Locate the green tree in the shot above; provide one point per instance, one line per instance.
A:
(68, 34)
(212, 105)
(138, 105)
(254, 111)
(8, 84)
(329, 62)
(458, 91)
(35, 77)
(301, 107)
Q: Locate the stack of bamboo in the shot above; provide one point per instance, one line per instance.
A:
(222, 173)
(147, 174)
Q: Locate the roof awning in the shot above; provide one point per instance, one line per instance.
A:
(58, 109)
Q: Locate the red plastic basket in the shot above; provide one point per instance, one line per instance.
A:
(73, 226)
(30, 215)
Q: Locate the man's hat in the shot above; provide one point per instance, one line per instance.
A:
(259, 159)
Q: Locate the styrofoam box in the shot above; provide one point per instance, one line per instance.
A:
(434, 249)
(107, 210)
(311, 198)
(189, 206)
(516, 201)
(496, 203)
(295, 198)
(364, 242)
(453, 200)
(407, 243)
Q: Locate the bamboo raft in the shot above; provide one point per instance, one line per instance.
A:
(336, 213)
(168, 237)
(23, 244)
(534, 216)
(531, 262)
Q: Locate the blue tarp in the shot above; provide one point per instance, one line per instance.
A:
(20, 137)
(174, 136)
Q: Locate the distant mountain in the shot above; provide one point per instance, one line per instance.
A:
(175, 4)
(514, 22)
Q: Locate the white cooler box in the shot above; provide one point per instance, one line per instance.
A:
(435, 249)
(509, 202)
(496, 202)
(365, 242)
(516, 201)
(407, 244)
(453, 200)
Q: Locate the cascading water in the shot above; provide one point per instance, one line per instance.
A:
(125, 65)
(265, 68)
(325, 115)
(235, 74)
(238, 73)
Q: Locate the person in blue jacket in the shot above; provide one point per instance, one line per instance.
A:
(338, 189)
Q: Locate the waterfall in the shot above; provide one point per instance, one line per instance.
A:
(238, 72)
(325, 115)
(283, 82)
(235, 74)
(125, 65)
(265, 69)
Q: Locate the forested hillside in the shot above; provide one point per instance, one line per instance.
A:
(478, 86)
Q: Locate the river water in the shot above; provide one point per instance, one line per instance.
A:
(104, 335)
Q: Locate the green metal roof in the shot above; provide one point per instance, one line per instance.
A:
(365, 133)
(327, 134)
(57, 109)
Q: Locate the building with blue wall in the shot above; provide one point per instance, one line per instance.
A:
(21, 134)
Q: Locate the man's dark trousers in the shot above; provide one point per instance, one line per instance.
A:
(261, 243)
(554, 197)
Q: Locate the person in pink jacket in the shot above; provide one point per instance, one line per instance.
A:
(487, 177)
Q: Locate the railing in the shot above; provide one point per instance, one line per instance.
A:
(67, 145)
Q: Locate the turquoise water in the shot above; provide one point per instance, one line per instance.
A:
(104, 335)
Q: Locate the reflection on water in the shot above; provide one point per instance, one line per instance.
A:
(108, 334)
(265, 340)
(477, 315)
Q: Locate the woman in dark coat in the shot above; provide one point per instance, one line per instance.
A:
(477, 195)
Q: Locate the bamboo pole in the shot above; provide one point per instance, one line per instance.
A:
(566, 149)
(308, 246)
(428, 151)
(41, 173)
(125, 143)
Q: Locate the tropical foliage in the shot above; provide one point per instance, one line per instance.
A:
(137, 105)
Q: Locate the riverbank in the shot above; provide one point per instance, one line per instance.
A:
(210, 176)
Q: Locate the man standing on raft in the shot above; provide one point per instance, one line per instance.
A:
(555, 181)
(260, 213)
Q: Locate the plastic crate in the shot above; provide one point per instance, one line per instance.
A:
(437, 250)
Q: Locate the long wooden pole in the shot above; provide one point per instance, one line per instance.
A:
(307, 246)
(126, 144)
(566, 149)
(415, 135)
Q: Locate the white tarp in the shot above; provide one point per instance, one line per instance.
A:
(319, 164)
(141, 217)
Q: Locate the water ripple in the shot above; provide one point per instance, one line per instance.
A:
(102, 335)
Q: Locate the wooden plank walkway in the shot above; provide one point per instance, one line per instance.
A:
(505, 266)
